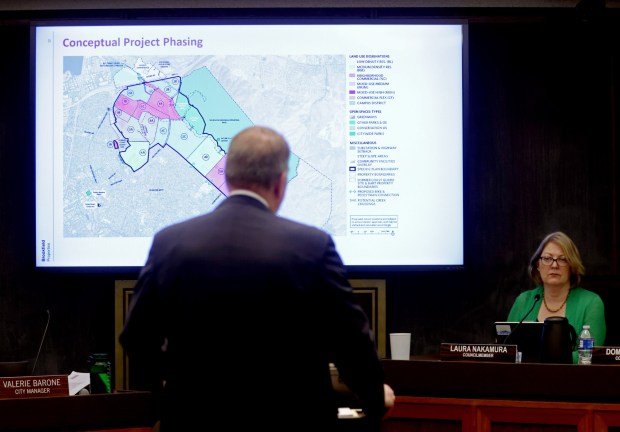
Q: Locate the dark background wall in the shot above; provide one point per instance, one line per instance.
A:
(541, 154)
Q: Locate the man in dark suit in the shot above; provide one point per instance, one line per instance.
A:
(238, 313)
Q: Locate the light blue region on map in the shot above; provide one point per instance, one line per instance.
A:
(170, 86)
(190, 114)
(293, 163)
(222, 117)
(125, 77)
(137, 92)
(163, 132)
(72, 64)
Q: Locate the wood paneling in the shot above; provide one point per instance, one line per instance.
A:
(484, 415)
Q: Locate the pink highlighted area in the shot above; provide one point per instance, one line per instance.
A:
(217, 177)
(159, 105)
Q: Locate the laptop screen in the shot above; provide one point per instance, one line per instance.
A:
(526, 335)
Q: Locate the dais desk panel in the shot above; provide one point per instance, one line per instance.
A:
(525, 381)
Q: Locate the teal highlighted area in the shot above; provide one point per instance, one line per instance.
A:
(222, 117)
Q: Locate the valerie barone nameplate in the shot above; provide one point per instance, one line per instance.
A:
(34, 386)
(479, 352)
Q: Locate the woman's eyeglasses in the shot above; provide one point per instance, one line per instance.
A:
(547, 260)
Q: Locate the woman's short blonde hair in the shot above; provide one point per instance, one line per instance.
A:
(571, 253)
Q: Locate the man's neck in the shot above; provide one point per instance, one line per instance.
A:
(251, 194)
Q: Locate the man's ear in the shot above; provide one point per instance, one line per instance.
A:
(279, 189)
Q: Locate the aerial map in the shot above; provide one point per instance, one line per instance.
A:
(145, 138)
(134, 123)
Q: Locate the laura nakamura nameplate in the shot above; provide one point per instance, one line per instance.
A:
(34, 386)
(479, 352)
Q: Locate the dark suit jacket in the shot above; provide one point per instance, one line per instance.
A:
(251, 308)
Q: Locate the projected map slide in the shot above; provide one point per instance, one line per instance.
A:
(134, 123)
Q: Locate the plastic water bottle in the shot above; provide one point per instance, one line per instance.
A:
(586, 344)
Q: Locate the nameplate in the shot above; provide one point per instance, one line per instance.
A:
(479, 352)
(606, 355)
(34, 386)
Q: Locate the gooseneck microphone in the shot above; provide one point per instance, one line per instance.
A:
(536, 298)
(41, 344)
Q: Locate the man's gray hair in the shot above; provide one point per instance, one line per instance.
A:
(256, 156)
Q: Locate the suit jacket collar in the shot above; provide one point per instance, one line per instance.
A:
(245, 200)
(249, 193)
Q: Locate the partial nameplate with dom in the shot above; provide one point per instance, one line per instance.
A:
(479, 352)
(606, 355)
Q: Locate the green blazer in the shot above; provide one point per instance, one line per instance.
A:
(582, 307)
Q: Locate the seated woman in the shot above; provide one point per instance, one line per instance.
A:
(556, 269)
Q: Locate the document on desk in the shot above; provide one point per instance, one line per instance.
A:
(345, 412)
(78, 381)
